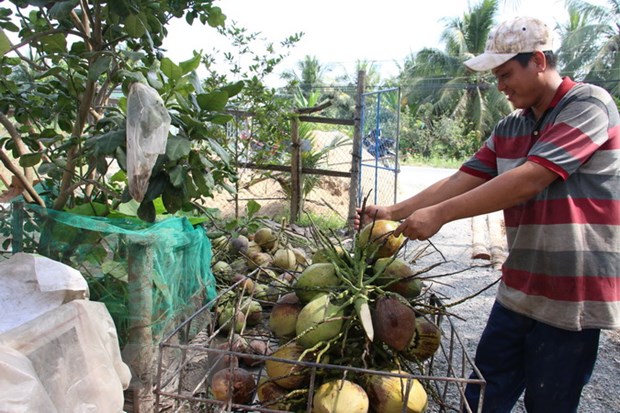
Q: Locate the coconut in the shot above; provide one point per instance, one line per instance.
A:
(387, 394)
(265, 238)
(395, 269)
(325, 254)
(235, 384)
(255, 347)
(425, 342)
(253, 247)
(377, 238)
(316, 278)
(283, 317)
(220, 243)
(272, 396)
(340, 396)
(252, 311)
(245, 283)
(284, 258)
(239, 245)
(394, 321)
(259, 259)
(226, 322)
(239, 265)
(319, 320)
(300, 256)
(285, 374)
(221, 270)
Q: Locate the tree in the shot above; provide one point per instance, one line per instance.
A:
(58, 79)
(310, 75)
(590, 49)
(439, 77)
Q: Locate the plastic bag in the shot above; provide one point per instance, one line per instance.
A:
(148, 124)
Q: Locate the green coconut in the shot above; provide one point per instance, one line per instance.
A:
(377, 238)
(319, 320)
(392, 271)
(315, 279)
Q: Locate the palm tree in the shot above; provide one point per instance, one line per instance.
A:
(439, 77)
(590, 48)
(310, 75)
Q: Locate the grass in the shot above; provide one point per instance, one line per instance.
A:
(433, 162)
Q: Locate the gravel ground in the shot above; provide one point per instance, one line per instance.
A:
(454, 243)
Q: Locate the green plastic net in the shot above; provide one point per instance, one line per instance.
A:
(110, 252)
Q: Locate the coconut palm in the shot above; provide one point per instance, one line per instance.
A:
(439, 77)
(310, 75)
(590, 48)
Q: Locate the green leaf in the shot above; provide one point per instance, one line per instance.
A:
(62, 9)
(100, 66)
(156, 187)
(221, 152)
(5, 43)
(200, 180)
(220, 119)
(134, 26)
(30, 159)
(233, 88)
(214, 101)
(252, 207)
(54, 43)
(216, 17)
(107, 143)
(129, 208)
(172, 199)
(146, 211)
(95, 209)
(170, 69)
(119, 176)
(115, 269)
(177, 176)
(177, 148)
(191, 64)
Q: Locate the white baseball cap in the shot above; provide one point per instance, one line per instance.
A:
(508, 39)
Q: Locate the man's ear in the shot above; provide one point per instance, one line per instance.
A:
(540, 60)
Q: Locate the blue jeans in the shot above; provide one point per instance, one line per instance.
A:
(517, 353)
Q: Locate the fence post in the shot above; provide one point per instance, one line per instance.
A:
(356, 155)
(296, 177)
(139, 350)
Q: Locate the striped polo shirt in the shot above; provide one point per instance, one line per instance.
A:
(563, 266)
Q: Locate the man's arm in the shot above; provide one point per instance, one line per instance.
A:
(506, 190)
(454, 185)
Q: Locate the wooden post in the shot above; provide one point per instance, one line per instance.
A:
(478, 238)
(296, 177)
(17, 227)
(140, 349)
(356, 155)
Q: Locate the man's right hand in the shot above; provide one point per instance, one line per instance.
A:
(370, 212)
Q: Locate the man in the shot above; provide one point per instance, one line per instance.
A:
(553, 166)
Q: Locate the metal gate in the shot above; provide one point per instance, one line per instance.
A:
(379, 166)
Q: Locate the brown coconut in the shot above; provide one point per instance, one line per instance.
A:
(283, 316)
(284, 374)
(394, 321)
(425, 341)
(235, 384)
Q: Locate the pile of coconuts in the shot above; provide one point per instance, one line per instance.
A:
(360, 306)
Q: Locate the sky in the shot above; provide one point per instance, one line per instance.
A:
(341, 32)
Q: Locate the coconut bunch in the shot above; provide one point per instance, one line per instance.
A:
(360, 307)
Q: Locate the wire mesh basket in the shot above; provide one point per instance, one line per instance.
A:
(199, 348)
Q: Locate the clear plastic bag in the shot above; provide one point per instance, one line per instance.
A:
(148, 124)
